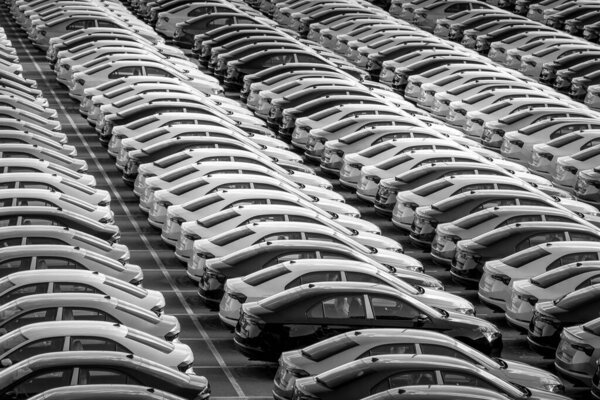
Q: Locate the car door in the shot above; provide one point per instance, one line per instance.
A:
(38, 382)
(573, 258)
(96, 375)
(392, 312)
(335, 314)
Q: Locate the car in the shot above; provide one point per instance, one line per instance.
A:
(544, 155)
(550, 317)
(517, 145)
(166, 20)
(32, 151)
(447, 235)
(7, 111)
(49, 142)
(28, 105)
(47, 256)
(97, 367)
(375, 374)
(55, 183)
(577, 353)
(565, 174)
(52, 336)
(471, 254)
(422, 230)
(257, 232)
(105, 392)
(525, 293)
(580, 85)
(531, 64)
(239, 289)
(20, 284)
(548, 74)
(184, 33)
(484, 41)
(16, 164)
(442, 188)
(347, 347)
(558, 18)
(344, 305)
(494, 284)
(437, 392)
(45, 197)
(586, 186)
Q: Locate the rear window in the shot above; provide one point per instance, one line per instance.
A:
(178, 173)
(231, 236)
(153, 134)
(127, 101)
(432, 187)
(281, 299)
(511, 119)
(593, 326)
(527, 131)
(525, 257)
(327, 348)
(395, 161)
(325, 113)
(260, 277)
(478, 97)
(587, 154)
(340, 376)
(203, 202)
(215, 219)
(377, 149)
(449, 203)
(171, 160)
(558, 275)
(355, 137)
(564, 140)
(579, 298)
(117, 92)
(142, 122)
(188, 187)
(494, 236)
(474, 219)
(495, 107)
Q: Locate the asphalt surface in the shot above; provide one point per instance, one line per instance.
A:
(230, 374)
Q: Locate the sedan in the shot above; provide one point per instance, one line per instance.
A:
(550, 317)
(524, 294)
(347, 347)
(54, 336)
(10, 150)
(96, 367)
(587, 186)
(326, 309)
(259, 285)
(578, 352)
(360, 378)
(23, 164)
(494, 285)
(434, 392)
(565, 174)
(109, 392)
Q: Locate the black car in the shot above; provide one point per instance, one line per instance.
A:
(306, 314)
(385, 199)
(427, 218)
(437, 392)
(51, 370)
(263, 255)
(472, 254)
(371, 375)
(550, 317)
(236, 70)
(185, 31)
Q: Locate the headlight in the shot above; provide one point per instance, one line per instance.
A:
(489, 333)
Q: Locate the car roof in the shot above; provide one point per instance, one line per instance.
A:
(339, 265)
(71, 299)
(40, 249)
(72, 328)
(105, 392)
(54, 275)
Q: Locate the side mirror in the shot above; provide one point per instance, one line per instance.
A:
(6, 362)
(421, 319)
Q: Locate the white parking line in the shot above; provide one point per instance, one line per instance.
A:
(152, 252)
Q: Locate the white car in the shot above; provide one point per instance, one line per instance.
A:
(86, 307)
(551, 285)
(498, 274)
(25, 104)
(231, 218)
(162, 199)
(29, 117)
(565, 174)
(443, 246)
(258, 232)
(39, 140)
(18, 284)
(47, 198)
(286, 275)
(432, 192)
(45, 337)
(117, 69)
(45, 256)
(190, 156)
(517, 146)
(166, 21)
(17, 164)
(31, 233)
(544, 155)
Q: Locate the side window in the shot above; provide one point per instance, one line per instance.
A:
(133, 70)
(360, 277)
(433, 160)
(34, 348)
(588, 282)
(582, 236)
(153, 71)
(299, 218)
(307, 58)
(23, 291)
(7, 185)
(521, 218)
(241, 185)
(75, 287)
(44, 240)
(16, 264)
(281, 236)
(57, 263)
(102, 376)
(494, 203)
(10, 221)
(95, 344)
(76, 25)
(531, 202)
(217, 22)
(437, 350)
(395, 348)
(409, 378)
(389, 137)
(557, 218)
(331, 255)
(265, 218)
(320, 237)
(267, 186)
(37, 221)
(291, 256)
(41, 381)
(454, 8)
(86, 314)
(33, 202)
(464, 379)
(107, 24)
(246, 202)
(591, 143)
(31, 317)
(388, 308)
(10, 242)
(572, 258)
(506, 186)
(339, 307)
(540, 238)
(475, 186)
(199, 11)
(567, 129)
(35, 185)
(320, 276)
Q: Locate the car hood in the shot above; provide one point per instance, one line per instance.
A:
(532, 377)
(449, 228)
(470, 321)
(444, 300)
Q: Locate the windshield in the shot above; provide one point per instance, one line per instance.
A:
(125, 287)
(525, 257)
(231, 236)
